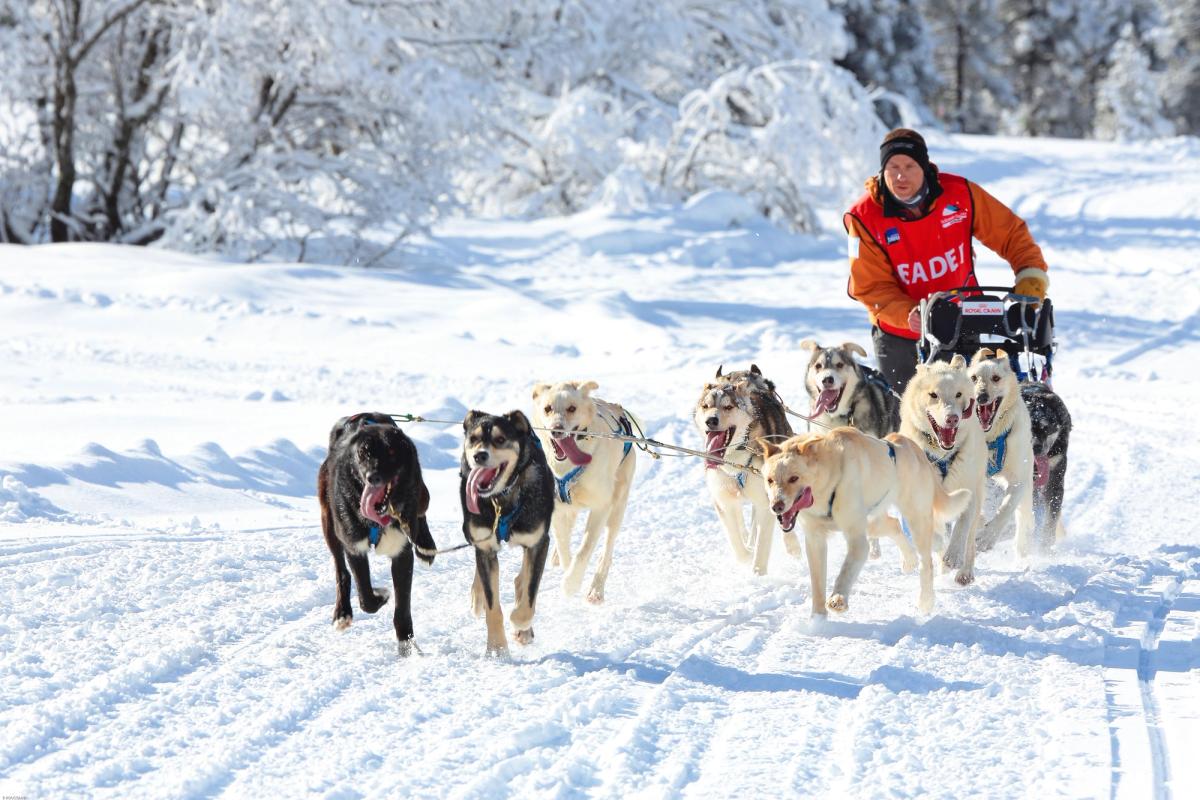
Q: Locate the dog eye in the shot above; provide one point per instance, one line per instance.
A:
(933, 395)
(840, 365)
(957, 395)
(770, 481)
(498, 441)
(995, 379)
(793, 479)
(974, 379)
(570, 409)
(547, 409)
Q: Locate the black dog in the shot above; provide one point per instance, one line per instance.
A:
(372, 495)
(507, 493)
(1051, 425)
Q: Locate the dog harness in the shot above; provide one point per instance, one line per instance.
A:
(563, 484)
(943, 464)
(502, 527)
(374, 534)
(997, 450)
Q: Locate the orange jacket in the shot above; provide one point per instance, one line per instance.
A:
(873, 280)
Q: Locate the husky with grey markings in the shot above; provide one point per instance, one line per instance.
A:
(844, 392)
(733, 413)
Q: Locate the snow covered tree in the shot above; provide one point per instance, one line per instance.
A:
(1180, 50)
(974, 85)
(1128, 101)
(890, 48)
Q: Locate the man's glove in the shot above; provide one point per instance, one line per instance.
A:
(1032, 282)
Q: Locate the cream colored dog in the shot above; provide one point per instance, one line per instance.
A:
(846, 480)
(593, 473)
(938, 412)
(1009, 436)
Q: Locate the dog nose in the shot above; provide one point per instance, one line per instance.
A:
(480, 457)
(712, 423)
(951, 420)
(777, 507)
(984, 398)
(827, 382)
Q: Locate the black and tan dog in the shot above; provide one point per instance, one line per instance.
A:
(507, 494)
(372, 495)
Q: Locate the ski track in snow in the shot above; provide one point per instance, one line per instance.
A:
(165, 606)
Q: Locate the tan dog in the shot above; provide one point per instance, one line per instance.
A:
(593, 473)
(938, 412)
(1009, 436)
(846, 480)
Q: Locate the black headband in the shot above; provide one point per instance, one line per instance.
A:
(904, 146)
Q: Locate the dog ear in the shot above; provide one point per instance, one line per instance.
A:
(754, 370)
(767, 448)
(519, 420)
(1001, 355)
(958, 362)
(539, 388)
(982, 354)
(472, 419)
(809, 344)
(587, 388)
(854, 347)
(719, 368)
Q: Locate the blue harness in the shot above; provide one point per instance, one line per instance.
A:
(997, 450)
(374, 534)
(564, 483)
(504, 523)
(943, 464)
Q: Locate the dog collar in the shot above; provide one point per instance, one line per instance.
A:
(374, 534)
(997, 450)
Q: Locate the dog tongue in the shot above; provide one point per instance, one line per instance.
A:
(1041, 471)
(372, 496)
(826, 401)
(478, 475)
(987, 413)
(947, 436)
(788, 518)
(569, 449)
(714, 444)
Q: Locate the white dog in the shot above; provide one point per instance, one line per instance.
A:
(590, 472)
(1007, 430)
(938, 412)
(847, 480)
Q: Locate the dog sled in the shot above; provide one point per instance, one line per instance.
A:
(962, 320)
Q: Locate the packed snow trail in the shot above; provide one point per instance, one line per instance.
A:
(166, 595)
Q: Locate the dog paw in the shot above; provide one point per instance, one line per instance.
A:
(407, 648)
(925, 603)
(791, 543)
(571, 584)
(873, 550)
(596, 596)
(952, 560)
(341, 623)
(523, 637)
(499, 652)
(837, 603)
(965, 577)
(374, 601)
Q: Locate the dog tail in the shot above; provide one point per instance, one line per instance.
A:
(948, 506)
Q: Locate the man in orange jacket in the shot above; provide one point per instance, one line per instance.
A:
(910, 235)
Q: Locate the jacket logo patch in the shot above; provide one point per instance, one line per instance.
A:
(958, 217)
(948, 210)
(892, 235)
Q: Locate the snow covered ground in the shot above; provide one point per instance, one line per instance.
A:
(166, 596)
